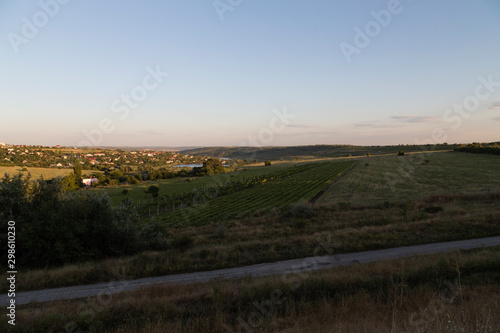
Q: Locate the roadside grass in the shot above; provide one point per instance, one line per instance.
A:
(412, 177)
(36, 173)
(289, 234)
(452, 292)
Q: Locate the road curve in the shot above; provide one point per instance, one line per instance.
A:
(281, 267)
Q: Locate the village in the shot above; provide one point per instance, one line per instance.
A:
(89, 159)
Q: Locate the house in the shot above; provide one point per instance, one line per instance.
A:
(89, 181)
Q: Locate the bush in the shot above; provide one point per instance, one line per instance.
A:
(125, 191)
(153, 190)
(133, 180)
(56, 227)
(267, 163)
(301, 209)
(401, 153)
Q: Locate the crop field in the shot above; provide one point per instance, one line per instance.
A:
(395, 178)
(179, 185)
(36, 173)
(271, 193)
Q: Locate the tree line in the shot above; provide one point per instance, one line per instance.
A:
(478, 148)
(55, 226)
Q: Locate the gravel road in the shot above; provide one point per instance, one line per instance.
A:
(281, 267)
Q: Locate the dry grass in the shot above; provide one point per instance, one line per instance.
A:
(277, 236)
(36, 173)
(455, 292)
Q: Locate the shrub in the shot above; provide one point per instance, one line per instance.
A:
(133, 180)
(153, 190)
(401, 153)
(125, 191)
(301, 209)
(267, 163)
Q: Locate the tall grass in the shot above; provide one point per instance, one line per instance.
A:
(280, 235)
(455, 292)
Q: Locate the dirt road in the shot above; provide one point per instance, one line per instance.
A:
(281, 267)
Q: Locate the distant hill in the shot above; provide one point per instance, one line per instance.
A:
(154, 148)
(305, 152)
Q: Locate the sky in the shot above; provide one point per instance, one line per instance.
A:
(241, 72)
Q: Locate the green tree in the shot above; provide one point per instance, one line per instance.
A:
(74, 180)
(267, 163)
(54, 227)
(77, 170)
(212, 166)
(153, 190)
(115, 174)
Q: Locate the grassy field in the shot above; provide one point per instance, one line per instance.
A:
(47, 173)
(454, 292)
(393, 178)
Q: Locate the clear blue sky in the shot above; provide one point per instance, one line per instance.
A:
(225, 77)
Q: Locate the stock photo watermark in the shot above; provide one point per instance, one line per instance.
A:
(364, 36)
(12, 272)
(453, 116)
(32, 26)
(123, 105)
(223, 6)
(265, 136)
